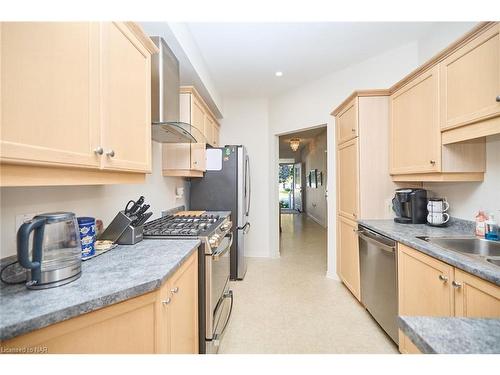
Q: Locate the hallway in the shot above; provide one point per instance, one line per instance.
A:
(287, 305)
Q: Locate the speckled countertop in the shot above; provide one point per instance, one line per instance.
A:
(407, 234)
(452, 335)
(122, 273)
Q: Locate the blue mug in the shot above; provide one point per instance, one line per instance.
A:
(86, 226)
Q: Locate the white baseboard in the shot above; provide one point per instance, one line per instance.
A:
(316, 220)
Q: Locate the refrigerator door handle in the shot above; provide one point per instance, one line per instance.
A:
(248, 185)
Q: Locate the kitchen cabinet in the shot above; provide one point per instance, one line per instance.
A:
(475, 297)
(216, 135)
(348, 255)
(348, 179)
(162, 321)
(75, 101)
(470, 88)
(363, 181)
(189, 160)
(415, 133)
(347, 122)
(429, 287)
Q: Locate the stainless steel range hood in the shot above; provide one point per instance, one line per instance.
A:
(166, 127)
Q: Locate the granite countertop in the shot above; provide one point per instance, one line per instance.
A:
(122, 273)
(407, 234)
(452, 335)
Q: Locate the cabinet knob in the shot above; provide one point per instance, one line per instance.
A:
(353, 214)
(498, 98)
(166, 301)
(456, 284)
(353, 130)
(110, 153)
(433, 162)
(443, 278)
(99, 151)
(174, 290)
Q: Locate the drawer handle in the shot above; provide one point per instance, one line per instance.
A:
(498, 98)
(174, 290)
(443, 278)
(166, 301)
(99, 151)
(456, 284)
(111, 153)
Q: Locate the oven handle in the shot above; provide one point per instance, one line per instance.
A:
(218, 254)
(217, 336)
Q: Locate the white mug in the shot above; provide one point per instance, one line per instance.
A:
(437, 218)
(437, 206)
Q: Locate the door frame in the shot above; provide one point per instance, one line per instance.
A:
(274, 211)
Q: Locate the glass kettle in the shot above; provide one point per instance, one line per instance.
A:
(55, 256)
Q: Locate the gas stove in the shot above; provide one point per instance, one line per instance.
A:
(183, 225)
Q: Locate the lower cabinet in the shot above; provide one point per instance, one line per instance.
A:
(163, 321)
(348, 255)
(429, 287)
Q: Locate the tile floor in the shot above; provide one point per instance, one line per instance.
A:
(287, 305)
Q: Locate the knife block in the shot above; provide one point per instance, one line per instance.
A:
(131, 235)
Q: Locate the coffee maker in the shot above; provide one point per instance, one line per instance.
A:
(410, 206)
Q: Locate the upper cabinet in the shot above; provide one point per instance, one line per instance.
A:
(470, 88)
(347, 122)
(441, 112)
(74, 96)
(415, 134)
(189, 160)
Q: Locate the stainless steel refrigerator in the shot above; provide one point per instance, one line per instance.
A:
(226, 187)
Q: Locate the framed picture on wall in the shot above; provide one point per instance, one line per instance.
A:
(314, 178)
(320, 179)
(308, 180)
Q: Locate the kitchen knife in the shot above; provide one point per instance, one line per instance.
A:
(136, 206)
(142, 220)
(142, 210)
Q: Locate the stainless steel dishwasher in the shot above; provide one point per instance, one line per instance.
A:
(379, 278)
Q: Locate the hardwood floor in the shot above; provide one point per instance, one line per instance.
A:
(287, 305)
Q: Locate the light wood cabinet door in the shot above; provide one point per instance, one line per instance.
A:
(198, 157)
(198, 118)
(470, 81)
(216, 136)
(126, 100)
(415, 136)
(423, 289)
(176, 156)
(347, 122)
(348, 179)
(183, 288)
(49, 109)
(474, 297)
(209, 129)
(348, 251)
(424, 284)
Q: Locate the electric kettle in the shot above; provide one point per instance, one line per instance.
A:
(55, 258)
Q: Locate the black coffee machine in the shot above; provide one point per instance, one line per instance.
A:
(410, 206)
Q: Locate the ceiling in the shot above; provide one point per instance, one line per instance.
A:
(305, 137)
(243, 57)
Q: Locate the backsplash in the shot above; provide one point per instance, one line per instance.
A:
(466, 198)
(98, 201)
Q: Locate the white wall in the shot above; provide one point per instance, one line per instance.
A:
(314, 157)
(310, 105)
(439, 37)
(466, 198)
(97, 201)
(246, 122)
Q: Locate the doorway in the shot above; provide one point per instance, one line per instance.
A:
(302, 183)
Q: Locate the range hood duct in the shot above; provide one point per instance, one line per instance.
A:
(165, 82)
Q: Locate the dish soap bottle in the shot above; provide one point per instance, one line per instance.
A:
(480, 227)
(491, 229)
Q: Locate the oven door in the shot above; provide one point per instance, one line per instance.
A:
(217, 268)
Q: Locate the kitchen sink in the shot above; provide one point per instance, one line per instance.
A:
(496, 262)
(468, 245)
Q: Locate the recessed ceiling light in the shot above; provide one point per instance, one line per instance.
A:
(278, 74)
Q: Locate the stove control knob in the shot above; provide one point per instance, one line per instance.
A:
(213, 241)
(226, 226)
